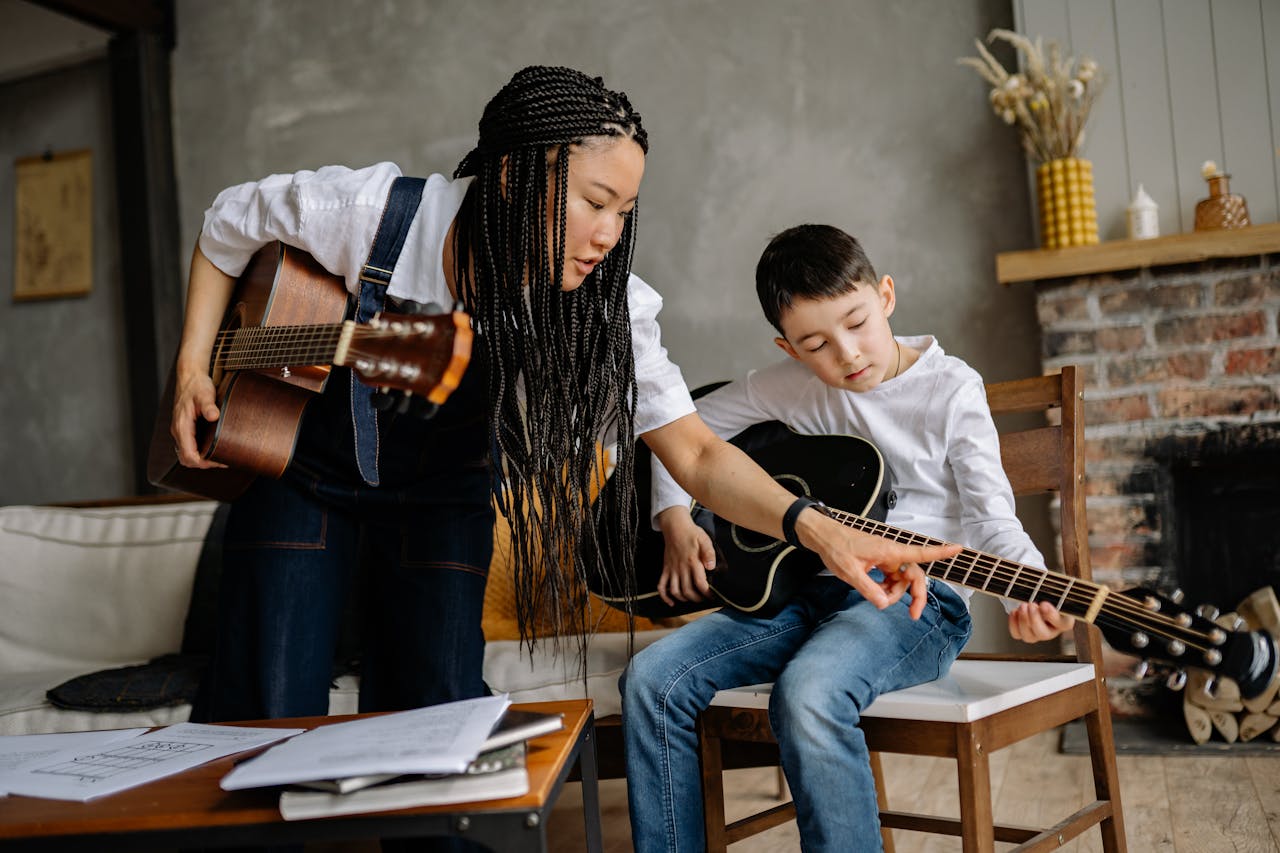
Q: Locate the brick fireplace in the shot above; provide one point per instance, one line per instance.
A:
(1178, 341)
(1182, 414)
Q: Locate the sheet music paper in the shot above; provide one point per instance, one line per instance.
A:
(439, 739)
(18, 751)
(85, 773)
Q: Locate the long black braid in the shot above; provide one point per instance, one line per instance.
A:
(561, 367)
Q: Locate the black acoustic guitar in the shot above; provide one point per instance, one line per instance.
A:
(758, 574)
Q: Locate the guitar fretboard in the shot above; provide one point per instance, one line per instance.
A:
(261, 347)
(997, 576)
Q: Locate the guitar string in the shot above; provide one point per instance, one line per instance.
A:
(1050, 583)
(1112, 613)
(1153, 621)
(317, 343)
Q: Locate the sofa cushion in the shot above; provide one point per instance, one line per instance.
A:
(84, 589)
(548, 675)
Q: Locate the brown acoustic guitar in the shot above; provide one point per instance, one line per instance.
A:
(282, 332)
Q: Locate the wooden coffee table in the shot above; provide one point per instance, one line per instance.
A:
(190, 810)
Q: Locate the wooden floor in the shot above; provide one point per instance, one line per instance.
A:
(1176, 804)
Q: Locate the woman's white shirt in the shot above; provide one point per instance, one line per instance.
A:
(333, 213)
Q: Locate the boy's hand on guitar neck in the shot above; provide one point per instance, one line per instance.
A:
(1035, 623)
(851, 555)
(687, 557)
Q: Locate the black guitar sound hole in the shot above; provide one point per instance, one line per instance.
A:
(753, 542)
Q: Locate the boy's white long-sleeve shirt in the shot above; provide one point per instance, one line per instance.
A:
(932, 425)
(333, 214)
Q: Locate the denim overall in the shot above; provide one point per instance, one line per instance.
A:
(382, 508)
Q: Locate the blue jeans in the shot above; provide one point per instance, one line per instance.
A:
(415, 550)
(829, 654)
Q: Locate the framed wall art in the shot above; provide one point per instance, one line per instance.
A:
(53, 223)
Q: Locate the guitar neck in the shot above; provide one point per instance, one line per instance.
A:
(997, 576)
(263, 347)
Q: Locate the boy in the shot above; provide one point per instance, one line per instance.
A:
(828, 653)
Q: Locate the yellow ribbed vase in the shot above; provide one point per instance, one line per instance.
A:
(1068, 213)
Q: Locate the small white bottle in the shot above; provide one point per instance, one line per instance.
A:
(1144, 216)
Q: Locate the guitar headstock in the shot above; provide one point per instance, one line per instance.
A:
(1157, 627)
(421, 354)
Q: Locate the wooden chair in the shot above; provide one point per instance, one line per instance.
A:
(987, 702)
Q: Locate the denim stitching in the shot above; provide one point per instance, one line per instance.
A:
(668, 794)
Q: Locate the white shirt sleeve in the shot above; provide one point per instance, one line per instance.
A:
(987, 508)
(661, 394)
(727, 411)
(331, 213)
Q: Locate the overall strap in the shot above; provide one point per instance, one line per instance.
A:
(402, 206)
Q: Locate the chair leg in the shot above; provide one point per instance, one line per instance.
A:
(1106, 779)
(713, 817)
(882, 800)
(977, 830)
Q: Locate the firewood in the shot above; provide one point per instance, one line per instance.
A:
(1264, 701)
(1255, 724)
(1213, 693)
(1262, 610)
(1226, 724)
(1198, 722)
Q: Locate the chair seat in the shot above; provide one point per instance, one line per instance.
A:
(973, 689)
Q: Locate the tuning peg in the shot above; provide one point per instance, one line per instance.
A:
(383, 400)
(1142, 669)
(1139, 640)
(1175, 647)
(421, 407)
(1151, 603)
(403, 400)
(1176, 680)
(1176, 596)
(1207, 611)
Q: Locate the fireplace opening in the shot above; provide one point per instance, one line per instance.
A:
(1222, 539)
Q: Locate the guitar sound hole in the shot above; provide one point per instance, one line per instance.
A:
(753, 542)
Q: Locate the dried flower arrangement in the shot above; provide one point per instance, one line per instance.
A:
(1049, 100)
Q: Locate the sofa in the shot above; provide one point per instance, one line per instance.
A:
(103, 590)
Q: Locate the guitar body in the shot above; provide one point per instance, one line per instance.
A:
(260, 410)
(755, 573)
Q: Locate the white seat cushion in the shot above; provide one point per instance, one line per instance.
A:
(973, 689)
(549, 677)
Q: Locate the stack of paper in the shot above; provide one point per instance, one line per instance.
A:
(498, 771)
(83, 765)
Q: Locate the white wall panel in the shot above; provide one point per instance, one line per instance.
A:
(1188, 81)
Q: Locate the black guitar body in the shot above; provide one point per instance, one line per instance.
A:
(754, 573)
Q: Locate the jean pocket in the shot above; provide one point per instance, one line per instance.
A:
(249, 528)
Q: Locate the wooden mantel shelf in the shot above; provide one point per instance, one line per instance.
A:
(1134, 254)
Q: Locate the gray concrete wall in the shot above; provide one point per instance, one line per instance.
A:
(760, 114)
(64, 424)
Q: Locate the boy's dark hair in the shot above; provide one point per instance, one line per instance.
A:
(809, 262)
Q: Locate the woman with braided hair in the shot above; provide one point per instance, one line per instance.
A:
(534, 236)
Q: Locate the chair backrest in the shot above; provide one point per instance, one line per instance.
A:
(1051, 459)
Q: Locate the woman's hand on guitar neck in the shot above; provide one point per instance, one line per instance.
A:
(851, 555)
(687, 557)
